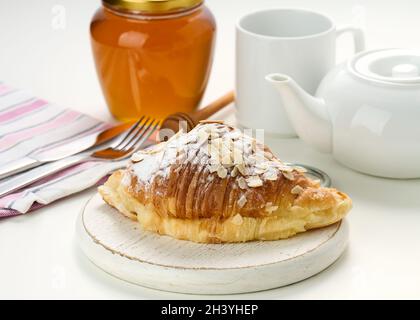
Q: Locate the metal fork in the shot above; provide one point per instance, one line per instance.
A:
(124, 147)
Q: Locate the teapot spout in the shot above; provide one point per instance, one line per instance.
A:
(308, 114)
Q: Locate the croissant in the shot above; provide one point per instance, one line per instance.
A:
(214, 184)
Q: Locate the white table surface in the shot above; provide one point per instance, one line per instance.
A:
(38, 256)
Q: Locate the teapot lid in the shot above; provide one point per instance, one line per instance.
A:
(388, 66)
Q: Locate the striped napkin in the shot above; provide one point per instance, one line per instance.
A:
(28, 124)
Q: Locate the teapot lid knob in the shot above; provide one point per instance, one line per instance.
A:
(405, 70)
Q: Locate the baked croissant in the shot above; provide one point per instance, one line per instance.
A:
(215, 184)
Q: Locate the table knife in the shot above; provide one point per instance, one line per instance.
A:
(62, 151)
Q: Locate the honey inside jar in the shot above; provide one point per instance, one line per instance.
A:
(152, 63)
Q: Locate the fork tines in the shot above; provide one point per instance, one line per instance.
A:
(138, 133)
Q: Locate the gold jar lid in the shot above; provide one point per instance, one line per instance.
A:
(151, 6)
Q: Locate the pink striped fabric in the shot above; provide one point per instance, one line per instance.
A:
(4, 88)
(21, 110)
(10, 140)
(65, 124)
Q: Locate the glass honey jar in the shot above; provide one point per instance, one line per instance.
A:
(153, 57)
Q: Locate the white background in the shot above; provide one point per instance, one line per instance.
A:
(38, 257)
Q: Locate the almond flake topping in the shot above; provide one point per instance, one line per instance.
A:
(238, 156)
(237, 219)
(202, 137)
(242, 201)
(270, 175)
(268, 155)
(289, 175)
(254, 181)
(317, 182)
(259, 171)
(242, 183)
(297, 189)
(222, 172)
(300, 169)
(270, 208)
(242, 169)
(221, 149)
(285, 168)
(137, 157)
(214, 135)
(234, 172)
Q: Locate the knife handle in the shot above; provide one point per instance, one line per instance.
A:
(31, 176)
(17, 166)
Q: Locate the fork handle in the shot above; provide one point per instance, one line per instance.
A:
(36, 174)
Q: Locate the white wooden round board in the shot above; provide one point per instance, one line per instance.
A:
(120, 247)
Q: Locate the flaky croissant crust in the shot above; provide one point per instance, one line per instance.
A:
(191, 202)
(189, 193)
(302, 216)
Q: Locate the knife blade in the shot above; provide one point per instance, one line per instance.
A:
(61, 151)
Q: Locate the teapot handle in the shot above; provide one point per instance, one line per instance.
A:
(358, 36)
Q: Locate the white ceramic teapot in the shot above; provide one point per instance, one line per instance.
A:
(366, 112)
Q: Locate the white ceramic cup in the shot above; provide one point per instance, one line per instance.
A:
(300, 43)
